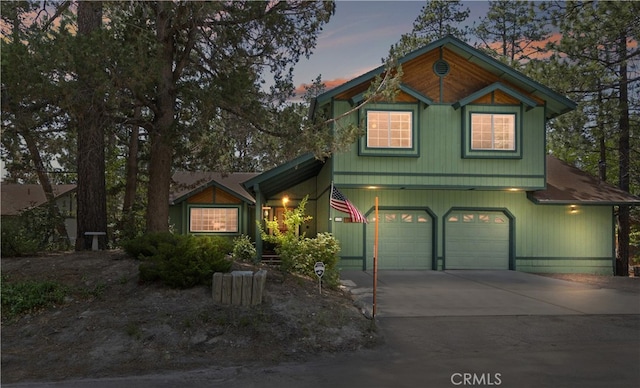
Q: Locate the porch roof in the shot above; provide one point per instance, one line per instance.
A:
(285, 176)
(569, 185)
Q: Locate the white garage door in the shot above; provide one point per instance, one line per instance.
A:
(405, 240)
(477, 240)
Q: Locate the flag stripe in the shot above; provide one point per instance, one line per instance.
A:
(339, 202)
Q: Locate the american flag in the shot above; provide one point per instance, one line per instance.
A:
(341, 203)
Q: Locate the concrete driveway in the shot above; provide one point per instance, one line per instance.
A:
(483, 293)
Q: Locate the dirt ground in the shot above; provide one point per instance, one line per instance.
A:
(110, 325)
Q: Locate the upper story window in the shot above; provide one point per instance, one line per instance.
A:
(389, 129)
(493, 132)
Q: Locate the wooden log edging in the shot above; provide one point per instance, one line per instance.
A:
(240, 288)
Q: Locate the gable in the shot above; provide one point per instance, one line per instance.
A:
(463, 71)
(213, 195)
(209, 187)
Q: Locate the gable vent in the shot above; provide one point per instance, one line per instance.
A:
(441, 67)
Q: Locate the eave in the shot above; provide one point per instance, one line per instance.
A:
(528, 102)
(285, 176)
(555, 104)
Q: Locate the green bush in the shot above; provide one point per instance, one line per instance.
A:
(298, 254)
(16, 239)
(148, 244)
(24, 297)
(31, 232)
(244, 250)
(180, 261)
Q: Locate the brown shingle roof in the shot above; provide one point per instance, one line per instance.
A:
(569, 185)
(186, 183)
(17, 198)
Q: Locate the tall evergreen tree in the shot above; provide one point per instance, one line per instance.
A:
(90, 117)
(437, 19)
(600, 43)
(512, 29)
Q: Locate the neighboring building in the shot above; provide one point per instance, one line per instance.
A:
(17, 198)
(459, 165)
(210, 203)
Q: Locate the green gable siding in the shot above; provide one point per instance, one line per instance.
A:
(440, 163)
(546, 238)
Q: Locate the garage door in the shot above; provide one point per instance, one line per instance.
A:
(477, 240)
(405, 240)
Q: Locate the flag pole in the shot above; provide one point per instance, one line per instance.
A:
(375, 261)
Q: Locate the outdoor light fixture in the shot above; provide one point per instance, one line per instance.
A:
(573, 209)
(285, 200)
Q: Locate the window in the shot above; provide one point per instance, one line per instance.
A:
(389, 129)
(493, 132)
(211, 219)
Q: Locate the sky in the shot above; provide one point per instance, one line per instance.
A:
(359, 35)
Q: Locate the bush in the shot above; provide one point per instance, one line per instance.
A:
(147, 245)
(23, 297)
(180, 261)
(31, 232)
(244, 250)
(302, 256)
(298, 254)
(16, 240)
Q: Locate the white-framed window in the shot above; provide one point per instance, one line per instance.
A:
(389, 129)
(213, 219)
(493, 132)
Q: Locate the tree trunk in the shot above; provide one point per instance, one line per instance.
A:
(624, 225)
(131, 171)
(91, 193)
(43, 177)
(161, 136)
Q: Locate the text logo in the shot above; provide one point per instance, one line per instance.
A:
(476, 379)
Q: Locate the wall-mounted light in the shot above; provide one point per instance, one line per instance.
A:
(573, 209)
(285, 201)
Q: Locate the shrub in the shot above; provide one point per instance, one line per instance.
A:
(31, 232)
(244, 250)
(298, 254)
(16, 240)
(23, 297)
(180, 261)
(148, 244)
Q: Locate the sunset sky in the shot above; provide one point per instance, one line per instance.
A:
(359, 36)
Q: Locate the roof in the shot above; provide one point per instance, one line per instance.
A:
(19, 197)
(555, 103)
(187, 183)
(285, 176)
(569, 185)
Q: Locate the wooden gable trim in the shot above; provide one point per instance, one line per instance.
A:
(496, 86)
(408, 94)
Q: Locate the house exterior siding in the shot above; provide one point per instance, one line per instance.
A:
(440, 163)
(544, 239)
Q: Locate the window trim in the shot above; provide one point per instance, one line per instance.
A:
(389, 130)
(192, 231)
(413, 151)
(469, 152)
(493, 116)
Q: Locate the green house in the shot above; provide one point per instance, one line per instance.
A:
(211, 203)
(459, 168)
